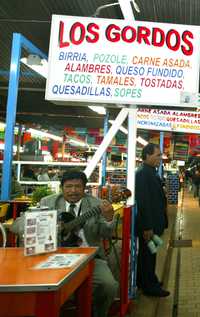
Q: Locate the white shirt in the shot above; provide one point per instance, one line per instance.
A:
(81, 232)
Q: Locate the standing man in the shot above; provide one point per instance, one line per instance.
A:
(91, 233)
(151, 219)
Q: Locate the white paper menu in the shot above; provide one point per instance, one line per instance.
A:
(40, 234)
(61, 260)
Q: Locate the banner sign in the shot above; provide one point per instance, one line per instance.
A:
(168, 120)
(122, 62)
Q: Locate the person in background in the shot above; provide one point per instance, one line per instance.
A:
(43, 175)
(98, 227)
(28, 173)
(181, 178)
(188, 179)
(151, 219)
(16, 191)
(196, 181)
(16, 188)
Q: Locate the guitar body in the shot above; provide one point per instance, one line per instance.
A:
(70, 239)
(70, 225)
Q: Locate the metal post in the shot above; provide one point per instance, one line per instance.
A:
(160, 169)
(11, 116)
(131, 153)
(19, 141)
(18, 42)
(131, 167)
(104, 158)
(106, 141)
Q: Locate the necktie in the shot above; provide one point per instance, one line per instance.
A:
(71, 209)
(75, 239)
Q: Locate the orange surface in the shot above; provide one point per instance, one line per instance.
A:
(16, 270)
(22, 200)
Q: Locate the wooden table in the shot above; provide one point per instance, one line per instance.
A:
(26, 291)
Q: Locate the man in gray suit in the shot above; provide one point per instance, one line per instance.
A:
(91, 233)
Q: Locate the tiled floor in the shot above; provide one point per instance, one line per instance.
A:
(182, 281)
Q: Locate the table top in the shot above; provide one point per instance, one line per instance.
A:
(18, 272)
(22, 200)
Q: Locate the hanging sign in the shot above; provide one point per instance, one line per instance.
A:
(124, 62)
(168, 120)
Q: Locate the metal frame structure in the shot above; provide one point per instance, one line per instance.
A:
(18, 42)
(104, 158)
(160, 169)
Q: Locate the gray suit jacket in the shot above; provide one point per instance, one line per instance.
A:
(95, 229)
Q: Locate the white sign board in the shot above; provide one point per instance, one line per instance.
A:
(40, 232)
(115, 61)
(168, 120)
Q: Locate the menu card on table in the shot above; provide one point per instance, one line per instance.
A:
(60, 260)
(40, 234)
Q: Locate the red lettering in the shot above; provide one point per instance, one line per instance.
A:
(125, 37)
(170, 34)
(158, 41)
(61, 32)
(91, 28)
(112, 36)
(189, 49)
(143, 36)
(77, 27)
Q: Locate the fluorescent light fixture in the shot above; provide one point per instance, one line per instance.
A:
(38, 133)
(41, 134)
(124, 130)
(76, 142)
(98, 109)
(2, 146)
(41, 68)
(126, 8)
(2, 125)
(141, 141)
(48, 158)
(93, 147)
(65, 155)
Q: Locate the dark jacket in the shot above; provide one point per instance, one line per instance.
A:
(151, 201)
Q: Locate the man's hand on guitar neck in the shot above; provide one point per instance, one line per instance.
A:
(107, 210)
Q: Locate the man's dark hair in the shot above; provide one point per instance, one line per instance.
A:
(74, 174)
(149, 150)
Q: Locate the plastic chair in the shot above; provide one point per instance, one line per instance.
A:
(3, 210)
(3, 231)
(6, 224)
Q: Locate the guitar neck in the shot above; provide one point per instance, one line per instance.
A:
(82, 218)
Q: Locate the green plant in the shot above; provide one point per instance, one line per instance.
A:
(39, 192)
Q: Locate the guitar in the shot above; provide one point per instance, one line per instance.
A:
(69, 224)
(120, 194)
